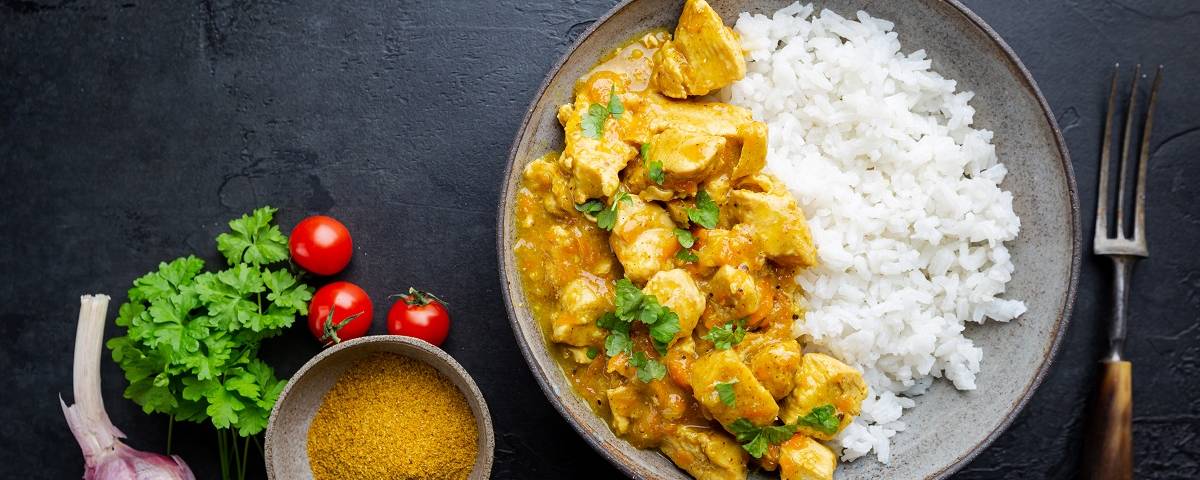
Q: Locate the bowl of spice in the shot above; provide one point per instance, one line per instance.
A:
(380, 407)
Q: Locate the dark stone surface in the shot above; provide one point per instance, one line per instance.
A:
(131, 131)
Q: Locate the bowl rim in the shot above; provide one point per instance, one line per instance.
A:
(1023, 76)
(484, 419)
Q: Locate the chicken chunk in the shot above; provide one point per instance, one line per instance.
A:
(676, 290)
(773, 360)
(823, 380)
(752, 401)
(717, 247)
(594, 163)
(546, 178)
(643, 239)
(712, 118)
(581, 302)
(802, 458)
(703, 57)
(623, 401)
(776, 224)
(736, 288)
(706, 454)
(686, 156)
(753, 156)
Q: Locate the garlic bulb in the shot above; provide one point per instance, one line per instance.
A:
(106, 458)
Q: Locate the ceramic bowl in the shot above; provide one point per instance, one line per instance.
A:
(286, 449)
(947, 428)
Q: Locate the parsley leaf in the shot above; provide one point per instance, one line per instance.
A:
(706, 211)
(663, 331)
(685, 237)
(726, 393)
(253, 240)
(654, 168)
(823, 419)
(726, 336)
(615, 107)
(607, 218)
(686, 256)
(592, 353)
(593, 121)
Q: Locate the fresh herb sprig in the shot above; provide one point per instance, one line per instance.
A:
(755, 439)
(593, 120)
(823, 419)
(191, 342)
(654, 168)
(634, 305)
(606, 217)
(706, 212)
(726, 336)
(725, 392)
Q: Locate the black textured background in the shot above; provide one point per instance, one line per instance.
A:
(130, 131)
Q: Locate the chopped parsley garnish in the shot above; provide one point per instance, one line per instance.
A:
(706, 211)
(725, 391)
(685, 237)
(607, 217)
(593, 120)
(726, 336)
(686, 256)
(755, 440)
(823, 419)
(592, 353)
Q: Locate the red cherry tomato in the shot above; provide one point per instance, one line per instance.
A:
(339, 311)
(421, 315)
(321, 245)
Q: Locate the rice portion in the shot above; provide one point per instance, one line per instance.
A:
(902, 196)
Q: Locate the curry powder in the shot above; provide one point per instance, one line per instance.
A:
(392, 417)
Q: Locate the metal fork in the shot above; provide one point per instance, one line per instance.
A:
(1111, 438)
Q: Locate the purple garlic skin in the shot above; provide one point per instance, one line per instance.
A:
(105, 456)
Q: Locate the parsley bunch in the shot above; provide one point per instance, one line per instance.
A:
(726, 336)
(634, 305)
(192, 337)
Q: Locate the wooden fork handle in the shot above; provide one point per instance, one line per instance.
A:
(1111, 437)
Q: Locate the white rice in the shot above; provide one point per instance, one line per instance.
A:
(902, 196)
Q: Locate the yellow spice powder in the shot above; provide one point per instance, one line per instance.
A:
(391, 417)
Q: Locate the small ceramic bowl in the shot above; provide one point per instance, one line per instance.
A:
(286, 449)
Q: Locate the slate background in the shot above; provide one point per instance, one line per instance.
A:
(131, 131)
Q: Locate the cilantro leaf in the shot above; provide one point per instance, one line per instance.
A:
(726, 393)
(654, 170)
(663, 331)
(592, 353)
(823, 419)
(726, 336)
(254, 240)
(615, 107)
(617, 342)
(593, 121)
(706, 211)
(755, 440)
(607, 218)
(590, 207)
(629, 299)
(648, 369)
(686, 256)
(644, 151)
(685, 237)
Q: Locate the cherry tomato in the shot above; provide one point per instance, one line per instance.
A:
(339, 311)
(321, 245)
(421, 315)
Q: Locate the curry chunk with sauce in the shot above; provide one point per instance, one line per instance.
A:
(660, 260)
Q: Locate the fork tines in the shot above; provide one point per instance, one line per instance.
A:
(1122, 243)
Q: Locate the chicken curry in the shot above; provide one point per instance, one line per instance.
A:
(659, 260)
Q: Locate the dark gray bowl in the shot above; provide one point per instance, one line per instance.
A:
(286, 449)
(947, 428)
